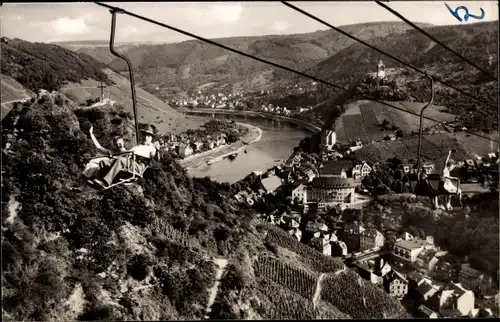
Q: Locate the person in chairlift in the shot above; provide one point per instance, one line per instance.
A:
(96, 164)
(144, 153)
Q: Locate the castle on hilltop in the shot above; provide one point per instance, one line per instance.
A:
(381, 70)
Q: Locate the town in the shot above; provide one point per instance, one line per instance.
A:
(213, 134)
(246, 100)
(323, 191)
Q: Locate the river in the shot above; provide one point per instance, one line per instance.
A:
(277, 143)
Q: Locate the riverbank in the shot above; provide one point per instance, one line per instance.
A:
(253, 135)
(302, 123)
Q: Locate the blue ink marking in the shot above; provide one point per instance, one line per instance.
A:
(467, 14)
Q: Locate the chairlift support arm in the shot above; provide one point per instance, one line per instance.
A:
(129, 64)
(421, 126)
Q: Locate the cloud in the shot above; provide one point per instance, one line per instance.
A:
(129, 31)
(225, 12)
(69, 26)
(280, 26)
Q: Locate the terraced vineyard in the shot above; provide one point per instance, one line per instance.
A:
(316, 260)
(292, 278)
(363, 119)
(434, 148)
(282, 304)
(354, 128)
(372, 125)
(353, 295)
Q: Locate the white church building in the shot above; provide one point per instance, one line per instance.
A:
(329, 139)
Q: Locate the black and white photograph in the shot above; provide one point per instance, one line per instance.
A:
(249, 160)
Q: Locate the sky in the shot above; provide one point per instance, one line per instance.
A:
(49, 22)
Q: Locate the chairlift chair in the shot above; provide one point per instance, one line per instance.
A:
(423, 188)
(127, 176)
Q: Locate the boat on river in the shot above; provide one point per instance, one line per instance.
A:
(232, 156)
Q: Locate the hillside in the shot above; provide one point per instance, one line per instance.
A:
(475, 41)
(28, 67)
(140, 252)
(192, 63)
(11, 91)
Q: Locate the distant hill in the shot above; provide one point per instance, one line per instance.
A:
(192, 63)
(477, 42)
(28, 67)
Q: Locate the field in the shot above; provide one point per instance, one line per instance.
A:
(363, 120)
(11, 90)
(359, 298)
(435, 147)
(474, 144)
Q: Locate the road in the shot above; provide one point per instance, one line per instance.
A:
(151, 103)
(19, 100)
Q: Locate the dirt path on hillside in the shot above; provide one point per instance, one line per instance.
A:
(222, 263)
(317, 293)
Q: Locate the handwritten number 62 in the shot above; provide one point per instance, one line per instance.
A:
(467, 14)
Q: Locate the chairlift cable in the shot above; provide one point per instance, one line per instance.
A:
(382, 52)
(278, 65)
(440, 43)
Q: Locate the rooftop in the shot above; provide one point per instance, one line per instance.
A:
(427, 255)
(371, 233)
(425, 287)
(411, 244)
(468, 271)
(397, 274)
(425, 310)
(271, 183)
(339, 183)
(354, 228)
(450, 313)
(332, 167)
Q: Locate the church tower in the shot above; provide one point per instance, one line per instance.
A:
(380, 70)
(328, 140)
